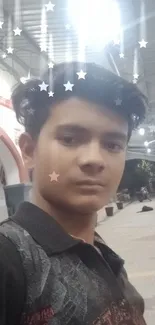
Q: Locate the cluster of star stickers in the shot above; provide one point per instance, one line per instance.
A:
(50, 7)
(142, 44)
(17, 31)
(68, 86)
(135, 78)
(24, 104)
(43, 87)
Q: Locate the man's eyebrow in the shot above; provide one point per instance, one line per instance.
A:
(116, 135)
(71, 127)
(106, 134)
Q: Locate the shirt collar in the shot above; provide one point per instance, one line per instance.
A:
(51, 236)
(43, 228)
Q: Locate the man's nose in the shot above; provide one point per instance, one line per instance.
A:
(92, 159)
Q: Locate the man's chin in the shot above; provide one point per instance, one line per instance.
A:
(88, 204)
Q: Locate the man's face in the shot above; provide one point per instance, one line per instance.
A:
(85, 145)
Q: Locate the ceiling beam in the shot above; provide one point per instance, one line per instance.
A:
(10, 70)
(22, 64)
(34, 44)
(16, 58)
(137, 22)
(25, 33)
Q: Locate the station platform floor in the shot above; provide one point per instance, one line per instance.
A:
(132, 236)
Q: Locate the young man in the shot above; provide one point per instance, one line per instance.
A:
(54, 268)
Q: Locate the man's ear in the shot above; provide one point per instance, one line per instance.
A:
(27, 147)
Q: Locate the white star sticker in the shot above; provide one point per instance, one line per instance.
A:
(142, 43)
(1, 24)
(50, 6)
(118, 102)
(81, 74)
(50, 65)
(68, 86)
(51, 94)
(10, 50)
(134, 81)
(68, 26)
(136, 76)
(43, 86)
(121, 55)
(43, 47)
(54, 177)
(17, 31)
(30, 111)
(4, 56)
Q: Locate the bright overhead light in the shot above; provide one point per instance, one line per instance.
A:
(146, 143)
(141, 131)
(97, 22)
(148, 150)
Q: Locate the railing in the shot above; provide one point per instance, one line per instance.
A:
(5, 102)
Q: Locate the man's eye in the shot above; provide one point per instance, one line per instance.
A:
(113, 147)
(69, 140)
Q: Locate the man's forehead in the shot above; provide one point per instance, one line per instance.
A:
(79, 113)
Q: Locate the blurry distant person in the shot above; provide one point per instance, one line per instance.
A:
(145, 193)
(54, 268)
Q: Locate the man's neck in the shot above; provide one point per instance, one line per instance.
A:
(77, 225)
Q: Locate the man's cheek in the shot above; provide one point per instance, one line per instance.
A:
(116, 174)
(119, 172)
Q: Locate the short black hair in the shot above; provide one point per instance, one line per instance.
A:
(32, 106)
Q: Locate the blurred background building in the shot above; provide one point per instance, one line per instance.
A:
(35, 35)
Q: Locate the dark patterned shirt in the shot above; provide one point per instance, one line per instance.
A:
(63, 280)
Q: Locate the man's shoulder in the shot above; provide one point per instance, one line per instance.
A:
(8, 247)
(12, 281)
(9, 257)
(5, 243)
(130, 292)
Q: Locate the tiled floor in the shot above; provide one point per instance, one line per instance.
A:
(132, 235)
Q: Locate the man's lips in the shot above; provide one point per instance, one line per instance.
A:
(90, 183)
